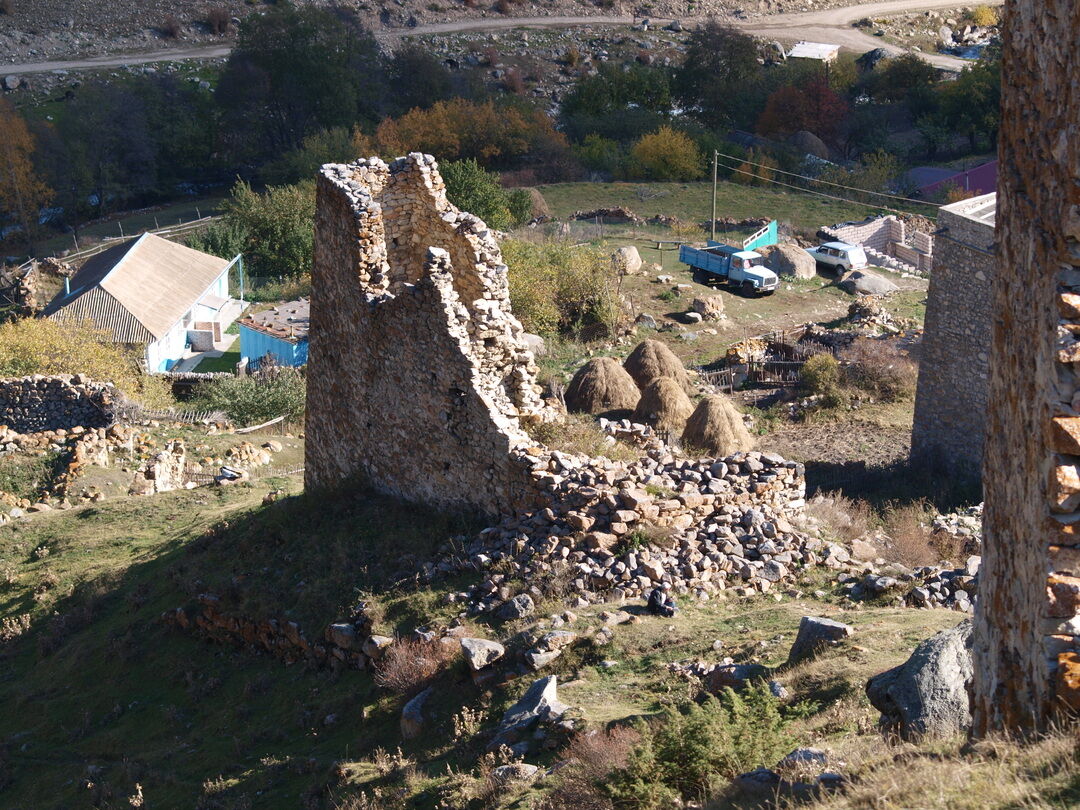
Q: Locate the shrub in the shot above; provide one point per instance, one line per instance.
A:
(45, 346)
(472, 189)
(843, 518)
(218, 19)
(881, 368)
(590, 757)
(984, 16)
(171, 28)
(514, 82)
(7, 7)
(278, 226)
(666, 154)
(409, 666)
(559, 288)
(820, 375)
(907, 527)
(693, 747)
(503, 6)
(260, 397)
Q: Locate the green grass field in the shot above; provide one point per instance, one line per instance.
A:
(227, 361)
(692, 202)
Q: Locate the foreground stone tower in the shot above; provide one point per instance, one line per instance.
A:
(418, 377)
(1027, 619)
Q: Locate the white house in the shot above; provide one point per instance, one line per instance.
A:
(153, 293)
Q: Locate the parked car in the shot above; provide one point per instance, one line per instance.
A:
(840, 256)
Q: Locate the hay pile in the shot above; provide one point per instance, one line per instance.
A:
(717, 428)
(664, 405)
(650, 360)
(600, 387)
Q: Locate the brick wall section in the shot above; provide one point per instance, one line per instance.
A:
(951, 398)
(39, 403)
(418, 375)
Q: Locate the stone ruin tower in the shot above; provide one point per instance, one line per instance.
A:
(419, 379)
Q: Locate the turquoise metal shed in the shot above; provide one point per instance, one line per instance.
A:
(281, 332)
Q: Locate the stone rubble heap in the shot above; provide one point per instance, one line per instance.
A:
(615, 530)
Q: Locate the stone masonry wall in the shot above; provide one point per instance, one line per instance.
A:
(38, 403)
(418, 376)
(951, 398)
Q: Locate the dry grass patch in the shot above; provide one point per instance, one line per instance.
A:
(880, 368)
(579, 433)
(409, 666)
(844, 518)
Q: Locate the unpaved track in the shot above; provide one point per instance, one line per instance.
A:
(830, 25)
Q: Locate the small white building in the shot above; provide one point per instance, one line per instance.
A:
(154, 293)
(818, 51)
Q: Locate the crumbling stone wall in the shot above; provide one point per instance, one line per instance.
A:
(39, 403)
(951, 398)
(418, 375)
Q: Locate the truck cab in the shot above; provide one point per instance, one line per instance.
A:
(749, 272)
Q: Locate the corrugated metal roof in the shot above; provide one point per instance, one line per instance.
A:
(289, 321)
(814, 50)
(138, 290)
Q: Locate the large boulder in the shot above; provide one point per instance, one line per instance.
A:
(519, 607)
(816, 633)
(863, 282)
(927, 695)
(809, 144)
(710, 308)
(626, 260)
(789, 260)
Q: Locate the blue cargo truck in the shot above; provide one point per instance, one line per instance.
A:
(740, 267)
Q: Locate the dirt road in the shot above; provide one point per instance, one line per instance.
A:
(830, 25)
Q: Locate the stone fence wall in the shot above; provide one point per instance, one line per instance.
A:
(951, 398)
(887, 239)
(38, 403)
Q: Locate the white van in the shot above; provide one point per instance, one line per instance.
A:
(840, 256)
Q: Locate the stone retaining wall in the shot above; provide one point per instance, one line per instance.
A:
(38, 403)
(951, 398)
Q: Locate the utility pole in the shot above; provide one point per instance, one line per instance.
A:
(712, 222)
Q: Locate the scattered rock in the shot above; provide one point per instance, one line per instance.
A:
(626, 260)
(539, 703)
(928, 693)
(515, 772)
(710, 309)
(412, 716)
(815, 633)
(863, 282)
(519, 607)
(480, 652)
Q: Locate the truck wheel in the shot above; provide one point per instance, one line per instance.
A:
(748, 289)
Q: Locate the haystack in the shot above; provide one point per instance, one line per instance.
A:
(717, 428)
(650, 360)
(664, 405)
(602, 386)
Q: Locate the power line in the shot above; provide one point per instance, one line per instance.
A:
(828, 183)
(811, 191)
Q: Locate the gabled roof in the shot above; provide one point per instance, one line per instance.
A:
(139, 289)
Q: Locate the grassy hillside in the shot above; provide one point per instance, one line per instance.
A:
(692, 202)
(100, 695)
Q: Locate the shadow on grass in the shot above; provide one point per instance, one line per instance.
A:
(99, 694)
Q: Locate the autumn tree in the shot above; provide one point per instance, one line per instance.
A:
(813, 106)
(666, 154)
(22, 193)
(1023, 615)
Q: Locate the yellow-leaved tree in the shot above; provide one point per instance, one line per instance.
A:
(666, 154)
(22, 192)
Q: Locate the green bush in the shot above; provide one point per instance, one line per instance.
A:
(556, 288)
(472, 189)
(278, 227)
(258, 398)
(691, 749)
(820, 375)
